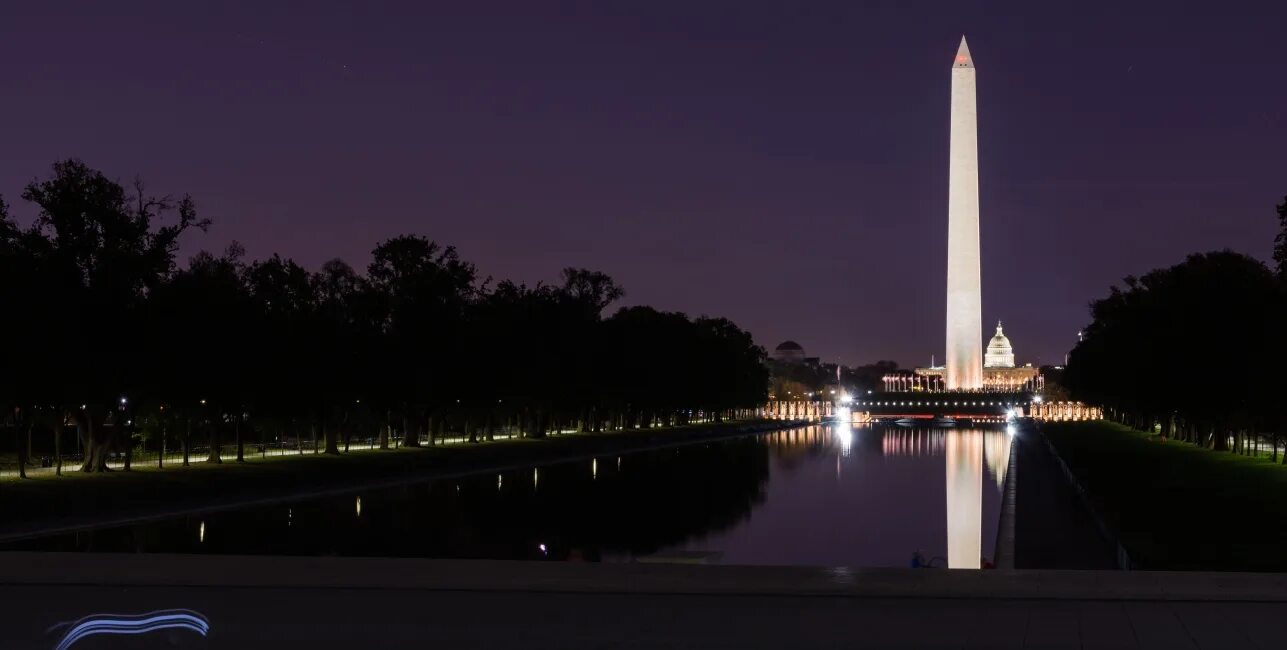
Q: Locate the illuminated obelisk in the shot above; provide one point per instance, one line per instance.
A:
(964, 312)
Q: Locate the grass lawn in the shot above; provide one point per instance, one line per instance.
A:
(1178, 506)
(83, 499)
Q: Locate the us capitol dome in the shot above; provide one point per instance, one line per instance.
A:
(1000, 353)
(1000, 372)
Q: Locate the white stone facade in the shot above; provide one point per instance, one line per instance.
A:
(964, 368)
(1000, 353)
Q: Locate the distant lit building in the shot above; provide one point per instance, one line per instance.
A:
(789, 352)
(999, 371)
(1000, 353)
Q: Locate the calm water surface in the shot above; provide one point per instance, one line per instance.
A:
(823, 495)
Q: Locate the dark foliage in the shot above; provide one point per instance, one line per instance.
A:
(1195, 349)
(1280, 242)
(107, 336)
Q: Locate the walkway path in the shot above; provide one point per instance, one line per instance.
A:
(1053, 528)
(349, 602)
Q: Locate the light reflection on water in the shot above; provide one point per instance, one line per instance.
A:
(893, 492)
(821, 496)
(964, 499)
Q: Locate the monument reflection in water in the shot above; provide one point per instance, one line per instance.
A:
(966, 452)
(872, 496)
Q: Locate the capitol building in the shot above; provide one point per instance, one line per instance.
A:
(999, 370)
(1000, 353)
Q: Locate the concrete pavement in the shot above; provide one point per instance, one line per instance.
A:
(277, 602)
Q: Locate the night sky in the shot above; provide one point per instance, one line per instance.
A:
(783, 164)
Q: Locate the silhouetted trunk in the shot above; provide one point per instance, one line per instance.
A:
(490, 426)
(97, 443)
(187, 441)
(58, 444)
(330, 434)
(80, 437)
(160, 454)
(312, 431)
(538, 424)
(410, 434)
(23, 452)
(214, 456)
(386, 430)
(85, 433)
(413, 440)
(236, 432)
(129, 446)
(31, 425)
(1219, 441)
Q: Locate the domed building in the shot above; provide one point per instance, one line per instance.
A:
(789, 352)
(1000, 373)
(1000, 353)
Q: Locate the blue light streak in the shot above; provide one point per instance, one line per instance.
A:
(136, 624)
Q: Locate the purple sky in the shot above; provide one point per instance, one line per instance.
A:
(779, 165)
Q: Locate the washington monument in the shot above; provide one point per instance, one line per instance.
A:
(964, 369)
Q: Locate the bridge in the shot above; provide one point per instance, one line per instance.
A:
(928, 406)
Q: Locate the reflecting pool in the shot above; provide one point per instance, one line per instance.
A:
(826, 495)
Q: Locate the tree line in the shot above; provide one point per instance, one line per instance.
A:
(1195, 351)
(108, 336)
(789, 380)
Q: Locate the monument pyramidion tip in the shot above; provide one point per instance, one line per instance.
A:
(963, 59)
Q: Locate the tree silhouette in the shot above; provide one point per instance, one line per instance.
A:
(1280, 241)
(100, 255)
(1195, 349)
(117, 341)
